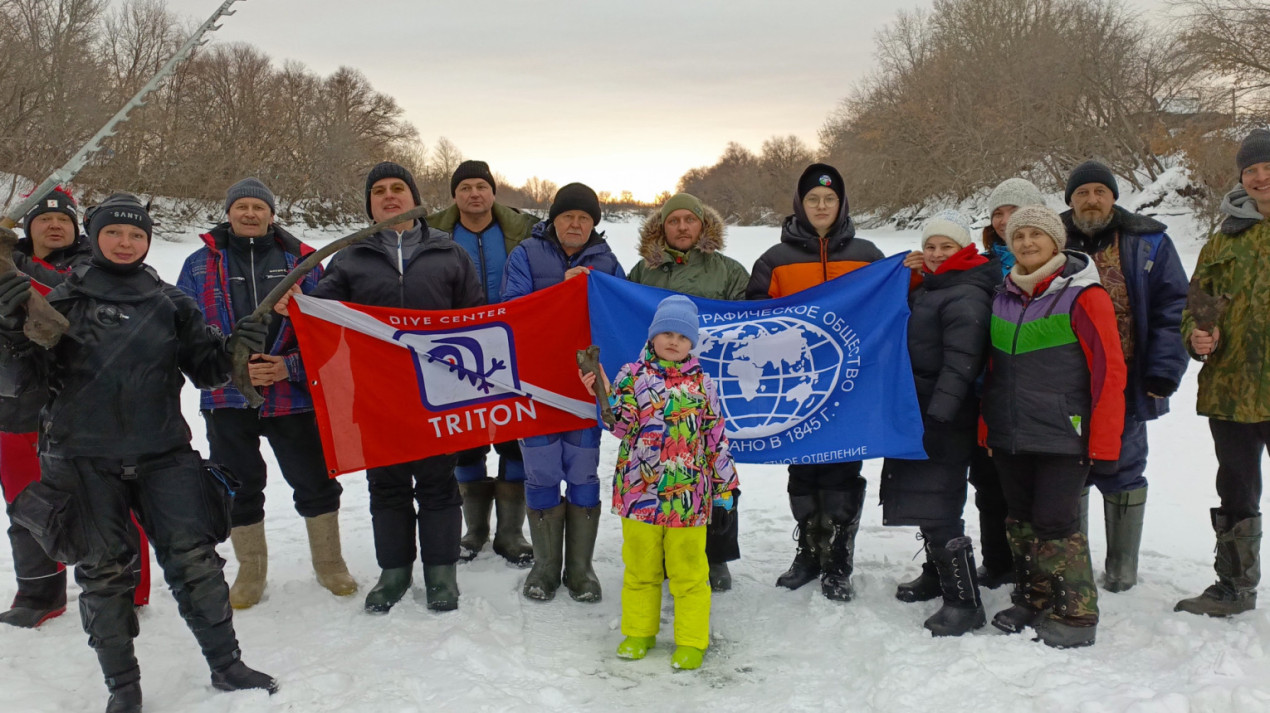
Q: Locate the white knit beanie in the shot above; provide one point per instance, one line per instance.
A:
(949, 223)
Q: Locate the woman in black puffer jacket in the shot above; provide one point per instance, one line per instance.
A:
(951, 305)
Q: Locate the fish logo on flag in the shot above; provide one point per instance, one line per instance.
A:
(821, 376)
(396, 385)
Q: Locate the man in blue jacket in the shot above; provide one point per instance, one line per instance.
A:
(488, 231)
(1141, 271)
(562, 530)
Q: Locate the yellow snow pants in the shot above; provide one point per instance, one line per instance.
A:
(653, 553)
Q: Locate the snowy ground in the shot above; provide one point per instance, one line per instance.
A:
(772, 649)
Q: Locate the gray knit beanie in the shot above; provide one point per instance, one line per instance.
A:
(249, 188)
(1037, 216)
(1254, 149)
(949, 223)
(1018, 192)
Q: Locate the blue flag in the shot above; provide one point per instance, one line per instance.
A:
(821, 376)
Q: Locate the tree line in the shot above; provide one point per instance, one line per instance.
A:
(229, 111)
(971, 92)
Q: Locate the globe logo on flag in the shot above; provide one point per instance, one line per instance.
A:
(772, 374)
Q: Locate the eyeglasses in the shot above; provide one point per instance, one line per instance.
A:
(818, 201)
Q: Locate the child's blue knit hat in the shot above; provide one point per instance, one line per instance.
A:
(675, 314)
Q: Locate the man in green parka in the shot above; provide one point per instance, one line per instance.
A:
(1234, 384)
(679, 249)
(488, 231)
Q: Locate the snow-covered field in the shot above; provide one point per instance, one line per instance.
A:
(772, 650)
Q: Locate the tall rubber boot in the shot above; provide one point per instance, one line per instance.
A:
(253, 564)
(962, 611)
(582, 525)
(546, 530)
(843, 509)
(441, 586)
(123, 678)
(806, 565)
(1072, 620)
(1238, 566)
(509, 536)
(925, 586)
(41, 583)
(1030, 596)
(1123, 513)
(327, 554)
(478, 501)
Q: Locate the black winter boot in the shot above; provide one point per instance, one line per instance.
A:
(238, 677)
(581, 526)
(441, 586)
(1031, 588)
(509, 537)
(925, 586)
(125, 692)
(806, 566)
(1238, 566)
(37, 601)
(843, 509)
(1124, 513)
(546, 529)
(478, 501)
(962, 611)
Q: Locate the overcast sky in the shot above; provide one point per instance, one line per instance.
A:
(619, 94)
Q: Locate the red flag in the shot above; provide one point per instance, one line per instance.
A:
(396, 385)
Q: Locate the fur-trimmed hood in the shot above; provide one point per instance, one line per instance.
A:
(652, 236)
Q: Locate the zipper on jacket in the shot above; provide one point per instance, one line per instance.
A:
(824, 259)
(255, 294)
(480, 251)
(1014, 369)
(401, 270)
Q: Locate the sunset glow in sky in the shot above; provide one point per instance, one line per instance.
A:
(618, 95)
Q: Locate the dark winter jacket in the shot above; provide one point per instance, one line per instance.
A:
(21, 414)
(702, 271)
(490, 259)
(803, 259)
(206, 278)
(52, 269)
(115, 377)
(947, 345)
(541, 262)
(1157, 295)
(1056, 374)
(437, 274)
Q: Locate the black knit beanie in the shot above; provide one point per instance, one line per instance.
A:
(118, 209)
(821, 174)
(1255, 148)
(388, 169)
(1090, 172)
(575, 196)
(58, 200)
(472, 169)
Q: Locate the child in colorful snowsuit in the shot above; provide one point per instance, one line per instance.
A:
(674, 473)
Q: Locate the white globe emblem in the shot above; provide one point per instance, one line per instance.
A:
(772, 374)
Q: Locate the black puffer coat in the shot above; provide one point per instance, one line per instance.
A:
(438, 274)
(947, 345)
(115, 377)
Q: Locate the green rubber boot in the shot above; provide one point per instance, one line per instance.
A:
(389, 590)
(635, 647)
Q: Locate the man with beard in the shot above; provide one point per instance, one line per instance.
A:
(1140, 269)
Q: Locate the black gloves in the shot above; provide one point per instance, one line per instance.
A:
(15, 290)
(1159, 386)
(250, 333)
